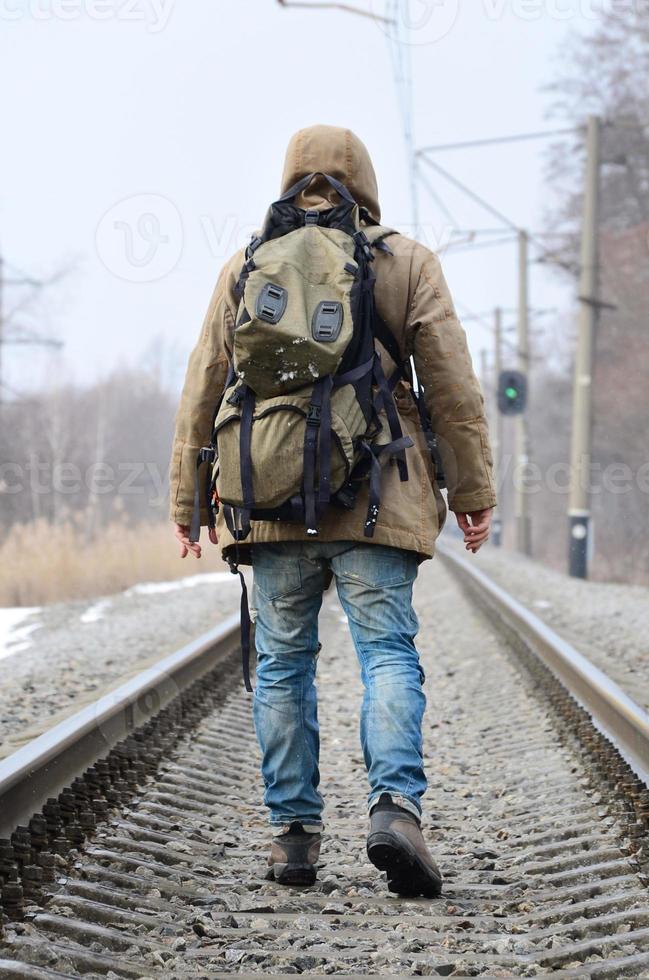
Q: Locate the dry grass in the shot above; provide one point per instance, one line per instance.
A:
(40, 562)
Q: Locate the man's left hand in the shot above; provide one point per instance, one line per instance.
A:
(476, 526)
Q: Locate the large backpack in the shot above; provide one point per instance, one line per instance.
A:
(307, 412)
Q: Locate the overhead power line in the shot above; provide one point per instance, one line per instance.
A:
(465, 245)
(493, 140)
(345, 7)
(545, 255)
(475, 197)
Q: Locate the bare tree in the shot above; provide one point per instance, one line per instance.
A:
(606, 72)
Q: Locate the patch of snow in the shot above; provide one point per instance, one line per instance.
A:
(96, 611)
(13, 636)
(207, 578)
(542, 604)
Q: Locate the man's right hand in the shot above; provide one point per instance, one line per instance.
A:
(181, 532)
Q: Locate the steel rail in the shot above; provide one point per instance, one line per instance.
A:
(46, 765)
(613, 712)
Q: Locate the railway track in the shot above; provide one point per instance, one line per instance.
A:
(151, 864)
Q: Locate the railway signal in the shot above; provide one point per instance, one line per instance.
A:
(512, 392)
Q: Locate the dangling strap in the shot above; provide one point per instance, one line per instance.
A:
(394, 423)
(431, 438)
(311, 435)
(245, 449)
(207, 454)
(374, 496)
(245, 624)
(324, 449)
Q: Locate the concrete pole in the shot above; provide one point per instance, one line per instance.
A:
(523, 526)
(497, 439)
(579, 509)
(1, 326)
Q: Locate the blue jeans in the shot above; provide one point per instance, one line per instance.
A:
(374, 586)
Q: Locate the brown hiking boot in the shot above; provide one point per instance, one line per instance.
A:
(395, 844)
(293, 856)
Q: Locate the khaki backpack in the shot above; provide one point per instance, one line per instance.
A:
(299, 423)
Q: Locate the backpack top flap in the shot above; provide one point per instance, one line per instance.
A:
(295, 319)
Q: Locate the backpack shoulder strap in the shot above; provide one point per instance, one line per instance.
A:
(376, 235)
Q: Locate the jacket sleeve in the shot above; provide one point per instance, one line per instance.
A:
(204, 383)
(451, 390)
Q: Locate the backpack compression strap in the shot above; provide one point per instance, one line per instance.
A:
(388, 340)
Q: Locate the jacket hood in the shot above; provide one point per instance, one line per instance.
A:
(339, 153)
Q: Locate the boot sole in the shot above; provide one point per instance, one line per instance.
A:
(407, 875)
(293, 874)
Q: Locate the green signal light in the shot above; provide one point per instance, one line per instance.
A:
(511, 392)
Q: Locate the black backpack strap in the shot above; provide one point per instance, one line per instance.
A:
(392, 415)
(311, 438)
(324, 448)
(383, 334)
(206, 454)
(245, 624)
(304, 182)
(237, 521)
(245, 449)
(354, 374)
(374, 495)
(431, 438)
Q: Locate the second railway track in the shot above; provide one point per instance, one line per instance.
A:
(537, 823)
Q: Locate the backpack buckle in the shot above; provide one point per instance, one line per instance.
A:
(271, 303)
(207, 454)
(327, 321)
(311, 217)
(313, 415)
(235, 398)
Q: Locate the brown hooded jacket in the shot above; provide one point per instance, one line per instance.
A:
(414, 300)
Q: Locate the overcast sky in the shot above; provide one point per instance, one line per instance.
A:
(143, 140)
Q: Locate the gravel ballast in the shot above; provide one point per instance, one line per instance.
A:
(71, 653)
(539, 877)
(606, 621)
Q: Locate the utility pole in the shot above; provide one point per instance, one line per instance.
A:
(1, 323)
(523, 529)
(579, 508)
(498, 422)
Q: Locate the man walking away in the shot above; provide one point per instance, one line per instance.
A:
(310, 449)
